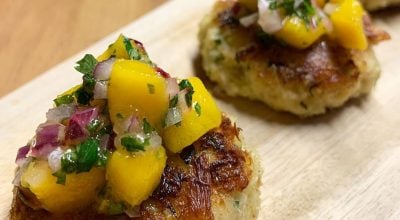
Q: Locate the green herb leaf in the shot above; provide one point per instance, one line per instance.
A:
(151, 88)
(64, 99)
(61, 177)
(133, 144)
(185, 84)
(86, 64)
(304, 10)
(197, 108)
(133, 52)
(83, 97)
(93, 126)
(173, 102)
(88, 154)
(69, 161)
(147, 128)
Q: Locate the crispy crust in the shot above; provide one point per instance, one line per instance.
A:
(207, 178)
(245, 62)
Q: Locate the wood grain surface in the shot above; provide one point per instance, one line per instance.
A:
(36, 35)
(342, 165)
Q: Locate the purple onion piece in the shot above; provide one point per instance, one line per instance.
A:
(162, 73)
(76, 128)
(60, 113)
(100, 90)
(103, 69)
(48, 136)
(21, 155)
(172, 87)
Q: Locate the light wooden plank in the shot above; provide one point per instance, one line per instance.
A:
(343, 165)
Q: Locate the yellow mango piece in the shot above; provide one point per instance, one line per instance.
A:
(80, 190)
(193, 125)
(348, 27)
(135, 87)
(71, 90)
(132, 177)
(250, 4)
(117, 49)
(298, 34)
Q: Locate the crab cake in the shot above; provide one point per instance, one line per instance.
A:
(133, 142)
(379, 4)
(282, 69)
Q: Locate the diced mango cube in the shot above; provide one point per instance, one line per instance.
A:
(116, 49)
(348, 29)
(297, 33)
(80, 190)
(193, 124)
(132, 177)
(136, 88)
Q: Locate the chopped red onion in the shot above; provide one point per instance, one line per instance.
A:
(100, 90)
(130, 124)
(54, 159)
(182, 101)
(22, 155)
(172, 87)
(60, 113)
(155, 140)
(105, 142)
(103, 69)
(174, 116)
(248, 20)
(76, 129)
(162, 73)
(48, 136)
(269, 20)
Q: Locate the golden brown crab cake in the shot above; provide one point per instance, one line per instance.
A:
(379, 4)
(246, 62)
(214, 178)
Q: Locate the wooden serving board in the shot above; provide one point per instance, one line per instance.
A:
(342, 165)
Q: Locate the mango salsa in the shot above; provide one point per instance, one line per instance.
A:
(136, 88)
(348, 27)
(297, 33)
(132, 177)
(80, 190)
(116, 49)
(193, 124)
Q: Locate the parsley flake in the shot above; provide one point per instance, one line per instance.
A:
(197, 108)
(87, 64)
(64, 99)
(151, 88)
(133, 144)
(133, 52)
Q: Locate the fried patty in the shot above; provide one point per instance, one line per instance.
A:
(246, 62)
(214, 178)
(379, 4)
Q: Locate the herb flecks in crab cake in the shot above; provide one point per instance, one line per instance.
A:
(298, 56)
(131, 141)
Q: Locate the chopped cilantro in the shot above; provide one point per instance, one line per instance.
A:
(185, 84)
(133, 52)
(69, 161)
(147, 128)
(64, 99)
(94, 126)
(304, 10)
(83, 97)
(61, 177)
(133, 144)
(87, 64)
(173, 102)
(88, 154)
(151, 88)
(197, 108)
